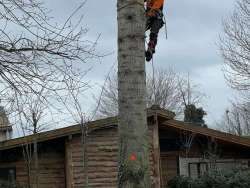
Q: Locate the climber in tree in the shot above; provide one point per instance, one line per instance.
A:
(154, 22)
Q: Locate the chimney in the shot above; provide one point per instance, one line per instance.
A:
(5, 127)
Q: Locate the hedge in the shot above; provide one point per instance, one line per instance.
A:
(237, 178)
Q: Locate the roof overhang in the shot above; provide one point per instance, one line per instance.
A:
(226, 137)
(166, 120)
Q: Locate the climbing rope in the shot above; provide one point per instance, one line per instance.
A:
(165, 26)
(153, 74)
(153, 71)
(152, 61)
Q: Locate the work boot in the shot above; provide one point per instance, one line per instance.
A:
(148, 55)
(150, 51)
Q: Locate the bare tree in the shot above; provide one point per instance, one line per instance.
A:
(40, 60)
(73, 105)
(108, 99)
(236, 119)
(32, 110)
(132, 122)
(37, 52)
(36, 113)
(166, 89)
(163, 89)
(190, 92)
(235, 46)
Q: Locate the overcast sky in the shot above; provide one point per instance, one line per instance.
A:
(193, 30)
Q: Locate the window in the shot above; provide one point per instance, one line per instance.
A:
(8, 174)
(197, 169)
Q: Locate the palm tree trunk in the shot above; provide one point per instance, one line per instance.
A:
(133, 142)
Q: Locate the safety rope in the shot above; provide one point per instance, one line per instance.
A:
(165, 26)
(129, 4)
(153, 70)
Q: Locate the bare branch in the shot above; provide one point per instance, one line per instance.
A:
(166, 89)
(235, 46)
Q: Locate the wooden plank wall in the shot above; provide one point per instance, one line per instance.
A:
(169, 167)
(102, 161)
(51, 169)
(61, 161)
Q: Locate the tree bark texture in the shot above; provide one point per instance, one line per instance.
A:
(133, 142)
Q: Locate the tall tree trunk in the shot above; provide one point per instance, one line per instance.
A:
(133, 142)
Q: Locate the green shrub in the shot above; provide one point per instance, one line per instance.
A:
(4, 184)
(217, 179)
(181, 182)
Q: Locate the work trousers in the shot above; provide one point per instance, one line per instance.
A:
(154, 24)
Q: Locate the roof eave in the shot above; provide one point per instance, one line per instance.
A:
(208, 132)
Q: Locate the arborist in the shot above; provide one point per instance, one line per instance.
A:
(154, 22)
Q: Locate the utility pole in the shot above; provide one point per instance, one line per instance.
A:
(133, 140)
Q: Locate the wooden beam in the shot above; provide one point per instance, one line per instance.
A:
(156, 153)
(68, 163)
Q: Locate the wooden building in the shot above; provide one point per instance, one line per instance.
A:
(5, 127)
(68, 157)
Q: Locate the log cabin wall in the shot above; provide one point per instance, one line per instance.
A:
(169, 153)
(51, 165)
(100, 167)
(61, 161)
(101, 162)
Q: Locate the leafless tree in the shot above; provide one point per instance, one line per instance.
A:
(235, 46)
(37, 52)
(39, 57)
(190, 92)
(108, 99)
(36, 113)
(73, 104)
(31, 110)
(236, 119)
(166, 89)
(163, 89)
